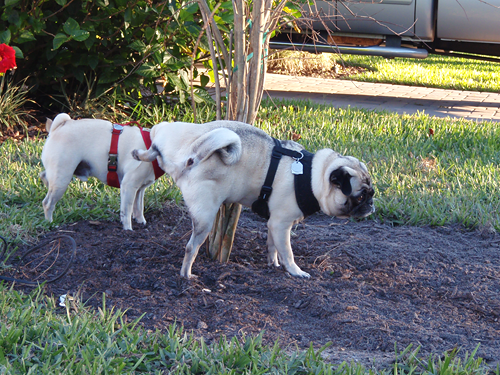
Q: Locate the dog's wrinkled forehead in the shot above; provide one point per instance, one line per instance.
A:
(362, 177)
(352, 162)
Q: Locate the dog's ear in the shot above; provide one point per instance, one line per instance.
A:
(341, 178)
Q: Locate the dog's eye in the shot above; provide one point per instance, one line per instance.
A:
(189, 162)
(360, 198)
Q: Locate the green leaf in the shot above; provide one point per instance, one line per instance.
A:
(79, 74)
(226, 5)
(201, 95)
(5, 36)
(139, 46)
(149, 33)
(108, 77)
(11, 2)
(80, 35)
(13, 17)
(19, 53)
(175, 81)
(61, 2)
(26, 36)
(204, 80)
(293, 11)
(148, 70)
(227, 17)
(50, 54)
(193, 8)
(187, 14)
(127, 17)
(89, 42)
(38, 25)
(59, 40)
(93, 61)
(70, 26)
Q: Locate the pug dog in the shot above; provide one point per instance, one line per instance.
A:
(229, 162)
(82, 148)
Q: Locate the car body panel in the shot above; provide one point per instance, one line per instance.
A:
(469, 20)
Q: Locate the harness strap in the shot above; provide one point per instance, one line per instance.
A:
(303, 190)
(112, 177)
(306, 200)
(146, 136)
(267, 188)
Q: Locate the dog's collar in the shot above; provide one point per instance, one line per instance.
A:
(306, 200)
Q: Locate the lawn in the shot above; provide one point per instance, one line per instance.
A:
(435, 71)
(445, 72)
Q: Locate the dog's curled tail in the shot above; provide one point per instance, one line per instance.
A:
(223, 141)
(60, 119)
(146, 155)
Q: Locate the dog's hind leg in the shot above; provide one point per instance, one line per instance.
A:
(127, 197)
(202, 219)
(56, 188)
(280, 236)
(138, 211)
(272, 252)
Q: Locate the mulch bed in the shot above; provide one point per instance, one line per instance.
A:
(372, 285)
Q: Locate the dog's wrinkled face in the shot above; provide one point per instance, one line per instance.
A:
(350, 192)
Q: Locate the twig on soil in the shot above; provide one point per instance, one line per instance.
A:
(323, 257)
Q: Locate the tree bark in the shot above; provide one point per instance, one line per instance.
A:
(244, 81)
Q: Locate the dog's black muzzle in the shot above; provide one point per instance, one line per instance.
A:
(361, 204)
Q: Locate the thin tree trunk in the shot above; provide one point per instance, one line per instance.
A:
(245, 70)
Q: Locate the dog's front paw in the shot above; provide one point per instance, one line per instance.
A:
(273, 261)
(190, 276)
(295, 271)
(303, 275)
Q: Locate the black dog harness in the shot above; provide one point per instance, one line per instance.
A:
(301, 168)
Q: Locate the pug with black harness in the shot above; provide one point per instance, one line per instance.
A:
(233, 162)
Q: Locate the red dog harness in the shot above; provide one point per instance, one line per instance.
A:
(112, 178)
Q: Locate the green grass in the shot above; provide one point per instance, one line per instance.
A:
(450, 177)
(435, 71)
(39, 337)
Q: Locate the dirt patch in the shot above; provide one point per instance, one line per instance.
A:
(372, 285)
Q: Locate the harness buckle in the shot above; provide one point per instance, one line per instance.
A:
(276, 154)
(117, 128)
(266, 192)
(112, 162)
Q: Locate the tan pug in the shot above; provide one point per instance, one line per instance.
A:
(81, 148)
(227, 162)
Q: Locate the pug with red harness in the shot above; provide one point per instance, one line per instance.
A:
(98, 148)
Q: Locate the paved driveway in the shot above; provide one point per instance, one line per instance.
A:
(479, 106)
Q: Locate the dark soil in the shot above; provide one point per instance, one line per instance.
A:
(372, 285)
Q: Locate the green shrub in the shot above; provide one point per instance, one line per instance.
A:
(77, 50)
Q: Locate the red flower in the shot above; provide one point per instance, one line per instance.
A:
(7, 58)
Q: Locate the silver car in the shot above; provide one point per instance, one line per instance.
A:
(398, 28)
